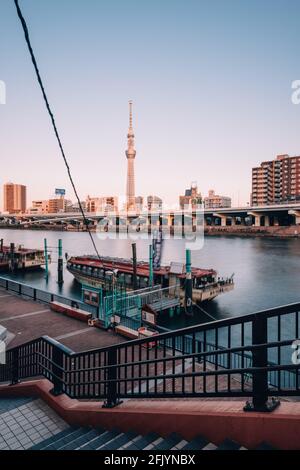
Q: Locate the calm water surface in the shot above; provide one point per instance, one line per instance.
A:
(266, 271)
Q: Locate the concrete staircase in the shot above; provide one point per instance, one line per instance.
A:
(27, 423)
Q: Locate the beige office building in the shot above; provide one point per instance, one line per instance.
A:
(14, 198)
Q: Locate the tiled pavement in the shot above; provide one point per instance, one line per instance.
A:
(26, 320)
(27, 423)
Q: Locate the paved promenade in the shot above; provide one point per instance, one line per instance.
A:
(26, 320)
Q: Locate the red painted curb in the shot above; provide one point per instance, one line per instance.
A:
(214, 420)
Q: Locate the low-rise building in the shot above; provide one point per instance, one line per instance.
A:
(154, 203)
(102, 204)
(56, 205)
(192, 197)
(39, 207)
(214, 201)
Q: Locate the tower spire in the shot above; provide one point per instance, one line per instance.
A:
(130, 114)
(130, 154)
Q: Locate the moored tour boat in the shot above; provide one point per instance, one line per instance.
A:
(15, 258)
(97, 272)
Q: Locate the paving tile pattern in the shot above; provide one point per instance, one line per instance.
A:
(28, 424)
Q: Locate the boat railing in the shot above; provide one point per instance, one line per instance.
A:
(159, 295)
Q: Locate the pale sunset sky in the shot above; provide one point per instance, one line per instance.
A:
(210, 81)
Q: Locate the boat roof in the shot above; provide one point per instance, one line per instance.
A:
(126, 266)
(21, 249)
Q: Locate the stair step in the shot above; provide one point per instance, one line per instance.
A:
(65, 440)
(104, 438)
(50, 440)
(197, 443)
(229, 445)
(143, 442)
(168, 442)
(126, 446)
(265, 446)
(118, 441)
(210, 446)
(81, 440)
(154, 444)
(180, 445)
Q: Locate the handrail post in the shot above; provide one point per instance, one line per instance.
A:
(15, 367)
(260, 389)
(57, 370)
(112, 399)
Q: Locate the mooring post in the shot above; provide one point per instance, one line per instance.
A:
(46, 258)
(12, 257)
(134, 265)
(60, 275)
(151, 265)
(188, 284)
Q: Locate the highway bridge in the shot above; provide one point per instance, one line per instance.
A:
(269, 215)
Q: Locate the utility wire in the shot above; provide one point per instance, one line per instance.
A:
(39, 79)
(204, 311)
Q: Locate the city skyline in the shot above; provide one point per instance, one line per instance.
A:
(205, 111)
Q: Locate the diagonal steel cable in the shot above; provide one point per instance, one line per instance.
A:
(39, 79)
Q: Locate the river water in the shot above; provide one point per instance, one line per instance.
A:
(266, 271)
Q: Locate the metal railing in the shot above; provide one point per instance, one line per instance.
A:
(180, 363)
(158, 296)
(43, 296)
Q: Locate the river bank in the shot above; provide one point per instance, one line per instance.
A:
(293, 231)
(278, 231)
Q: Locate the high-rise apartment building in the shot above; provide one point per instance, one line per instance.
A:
(14, 198)
(276, 181)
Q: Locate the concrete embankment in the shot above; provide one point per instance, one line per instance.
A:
(293, 231)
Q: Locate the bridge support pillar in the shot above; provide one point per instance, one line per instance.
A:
(296, 215)
(223, 219)
(267, 221)
(257, 221)
(257, 218)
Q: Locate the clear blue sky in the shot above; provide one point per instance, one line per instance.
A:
(210, 81)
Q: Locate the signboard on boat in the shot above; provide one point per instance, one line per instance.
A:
(148, 316)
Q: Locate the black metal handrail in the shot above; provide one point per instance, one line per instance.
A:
(247, 356)
(41, 295)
